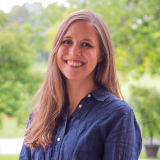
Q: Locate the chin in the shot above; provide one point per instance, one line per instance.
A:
(73, 78)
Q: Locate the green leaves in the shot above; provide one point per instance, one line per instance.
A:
(17, 83)
(3, 19)
(15, 55)
(134, 27)
(147, 103)
(27, 33)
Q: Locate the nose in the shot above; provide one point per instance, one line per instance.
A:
(75, 50)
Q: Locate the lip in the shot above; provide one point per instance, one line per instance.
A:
(75, 61)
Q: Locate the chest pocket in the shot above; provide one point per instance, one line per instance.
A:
(81, 137)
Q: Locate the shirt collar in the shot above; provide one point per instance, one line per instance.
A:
(100, 94)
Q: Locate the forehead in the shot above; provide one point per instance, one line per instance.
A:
(82, 28)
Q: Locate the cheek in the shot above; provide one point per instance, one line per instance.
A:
(92, 57)
(60, 54)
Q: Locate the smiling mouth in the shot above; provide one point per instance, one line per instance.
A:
(74, 63)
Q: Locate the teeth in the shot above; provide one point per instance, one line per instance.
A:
(73, 63)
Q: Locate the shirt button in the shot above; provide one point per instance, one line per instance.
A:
(58, 139)
(80, 106)
(89, 95)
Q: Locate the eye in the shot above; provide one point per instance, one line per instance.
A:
(86, 45)
(67, 42)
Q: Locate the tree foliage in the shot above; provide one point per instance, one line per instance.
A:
(27, 33)
(147, 103)
(37, 21)
(134, 27)
(17, 83)
(3, 18)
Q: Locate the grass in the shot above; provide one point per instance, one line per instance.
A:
(9, 157)
(10, 128)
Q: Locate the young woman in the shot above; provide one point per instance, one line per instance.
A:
(79, 114)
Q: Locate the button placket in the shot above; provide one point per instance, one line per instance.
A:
(59, 139)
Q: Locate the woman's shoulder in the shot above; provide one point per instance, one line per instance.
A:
(109, 104)
(117, 104)
(109, 112)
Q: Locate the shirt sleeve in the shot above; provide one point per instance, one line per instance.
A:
(25, 153)
(124, 142)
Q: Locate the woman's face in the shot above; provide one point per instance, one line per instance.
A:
(78, 53)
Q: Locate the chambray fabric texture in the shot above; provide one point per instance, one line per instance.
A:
(102, 128)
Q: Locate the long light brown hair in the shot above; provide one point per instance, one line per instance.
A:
(50, 98)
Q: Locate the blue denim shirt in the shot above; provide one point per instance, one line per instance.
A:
(102, 127)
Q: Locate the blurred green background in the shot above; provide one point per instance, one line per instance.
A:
(26, 36)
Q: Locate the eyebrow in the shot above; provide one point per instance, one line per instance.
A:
(67, 37)
(85, 39)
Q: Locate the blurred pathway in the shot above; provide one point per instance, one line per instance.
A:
(10, 145)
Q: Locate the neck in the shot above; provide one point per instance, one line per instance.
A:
(78, 90)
